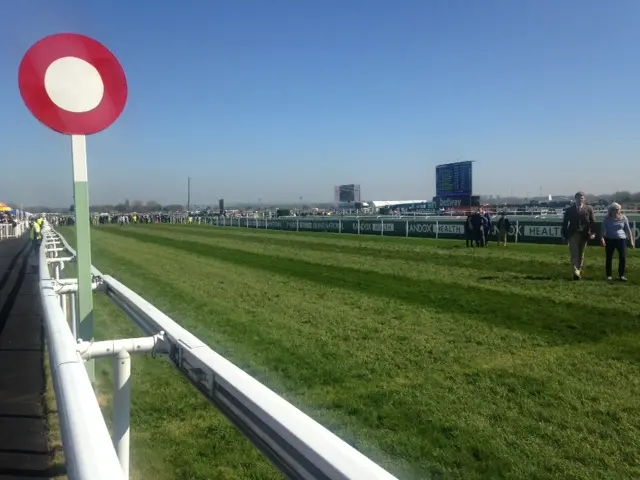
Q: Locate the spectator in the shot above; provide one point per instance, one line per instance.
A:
(468, 231)
(616, 232)
(478, 222)
(578, 227)
(487, 227)
(504, 225)
(35, 235)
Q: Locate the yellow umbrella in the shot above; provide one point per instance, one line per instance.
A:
(4, 207)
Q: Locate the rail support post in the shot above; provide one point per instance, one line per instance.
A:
(73, 316)
(122, 408)
(121, 351)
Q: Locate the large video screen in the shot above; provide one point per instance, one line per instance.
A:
(454, 179)
(347, 193)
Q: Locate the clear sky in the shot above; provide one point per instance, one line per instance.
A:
(278, 99)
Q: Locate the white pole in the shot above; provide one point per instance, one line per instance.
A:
(74, 319)
(122, 408)
(63, 304)
(83, 241)
(81, 422)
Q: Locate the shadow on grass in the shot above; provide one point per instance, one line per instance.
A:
(559, 322)
(539, 278)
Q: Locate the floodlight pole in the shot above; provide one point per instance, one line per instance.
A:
(188, 194)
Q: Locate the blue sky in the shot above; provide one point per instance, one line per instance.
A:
(278, 99)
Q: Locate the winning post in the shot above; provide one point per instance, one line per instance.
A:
(74, 85)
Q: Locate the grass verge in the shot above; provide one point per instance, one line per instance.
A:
(175, 432)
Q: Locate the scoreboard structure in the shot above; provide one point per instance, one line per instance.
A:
(454, 179)
(347, 194)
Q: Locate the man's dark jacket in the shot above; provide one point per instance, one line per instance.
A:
(578, 221)
(477, 221)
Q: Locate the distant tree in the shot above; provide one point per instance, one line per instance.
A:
(137, 206)
(173, 208)
(153, 206)
(72, 208)
(622, 197)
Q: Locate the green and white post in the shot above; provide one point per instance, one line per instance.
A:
(83, 243)
(81, 90)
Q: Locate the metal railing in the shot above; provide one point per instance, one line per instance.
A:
(89, 451)
(8, 230)
(297, 445)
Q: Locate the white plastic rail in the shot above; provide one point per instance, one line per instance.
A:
(89, 451)
(297, 445)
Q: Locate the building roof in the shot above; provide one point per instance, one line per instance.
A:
(388, 203)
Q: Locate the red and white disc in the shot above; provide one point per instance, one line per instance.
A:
(73, 84)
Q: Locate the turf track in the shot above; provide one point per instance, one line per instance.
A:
(434, 359)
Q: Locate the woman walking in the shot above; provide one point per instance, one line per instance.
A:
(616, 232)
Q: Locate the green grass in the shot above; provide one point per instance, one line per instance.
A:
(53, 422)
(433, 359)
(175, 432)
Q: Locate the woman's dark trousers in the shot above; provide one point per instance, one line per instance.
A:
(619, 245)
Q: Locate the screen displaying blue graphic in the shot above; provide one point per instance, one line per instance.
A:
(454, 179)
(347, 193)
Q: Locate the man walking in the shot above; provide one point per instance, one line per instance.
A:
(504, 225)
(578, 227)
(468, 231)
(487, 228)
(477, 224)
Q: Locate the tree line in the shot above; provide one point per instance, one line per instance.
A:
(623, 197)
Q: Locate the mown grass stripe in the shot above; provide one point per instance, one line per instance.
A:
(175, 432)
(547, 265)
(460, 266)
(370, 243)
(448, 254)
(554, 320)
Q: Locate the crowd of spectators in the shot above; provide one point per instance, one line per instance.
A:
(7, 218)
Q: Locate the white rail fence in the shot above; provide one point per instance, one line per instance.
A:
(7, 230)
(296, 444)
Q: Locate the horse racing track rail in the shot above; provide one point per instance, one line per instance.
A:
(296, 444)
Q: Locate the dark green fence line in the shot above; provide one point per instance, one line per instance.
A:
(544, 232)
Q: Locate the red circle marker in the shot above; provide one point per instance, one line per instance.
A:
(73, 84)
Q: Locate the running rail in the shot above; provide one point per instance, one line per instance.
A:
(89, 451)
(297, 445)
